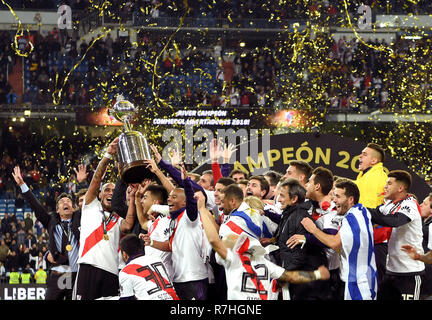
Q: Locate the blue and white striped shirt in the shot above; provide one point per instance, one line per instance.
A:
(358, 267)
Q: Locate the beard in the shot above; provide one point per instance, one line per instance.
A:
(106, 207)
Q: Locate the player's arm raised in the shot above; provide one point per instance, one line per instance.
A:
(142, 217)
(153, 167)
(99, 173)
(209, 226)
(129, 220)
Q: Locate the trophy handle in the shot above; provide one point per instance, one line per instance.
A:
(126, 124)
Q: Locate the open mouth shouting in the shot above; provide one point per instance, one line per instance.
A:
(170, 206)
(108, 201)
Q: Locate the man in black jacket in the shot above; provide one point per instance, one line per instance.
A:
(63, 229)
(307, 257)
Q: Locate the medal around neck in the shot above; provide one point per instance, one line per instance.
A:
(133, 147)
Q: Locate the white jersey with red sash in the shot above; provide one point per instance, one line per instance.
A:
(94, 249)
(146, 278)
(158, 230)
(410, 233)
(189, 249)
(249, 275)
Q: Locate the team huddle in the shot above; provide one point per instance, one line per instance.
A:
(302, 235)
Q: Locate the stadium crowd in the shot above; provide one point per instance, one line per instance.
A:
(249, 77)
(48, 176)
(228, 76)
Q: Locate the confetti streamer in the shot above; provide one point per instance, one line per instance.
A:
(56, 95)
(19, 33)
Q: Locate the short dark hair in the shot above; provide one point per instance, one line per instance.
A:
(351, 189)
(402, 176)
(158, 192)
(233, 191)
(294, 189)
(63, 195)
(340, 179)
(303, 167)
(131, 244)
(377, 148)
(324, 177)
(243, 181)
(274, 177)
(226, 181)
(264, 185)
(79, 194)
(235, 171)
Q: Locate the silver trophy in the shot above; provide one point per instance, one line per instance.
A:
(133, 147)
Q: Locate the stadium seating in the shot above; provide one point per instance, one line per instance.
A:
(19, 213)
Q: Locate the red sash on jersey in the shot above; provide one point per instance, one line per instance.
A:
(275, 286)
(175, 229)
(235, 228)
(133, 270)
(153, 226)
(221, 218)
(97, 235)
(248, 266)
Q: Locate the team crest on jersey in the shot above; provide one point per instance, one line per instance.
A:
(406, 208)
(166, 231)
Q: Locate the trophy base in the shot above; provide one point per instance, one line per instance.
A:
(136, 172)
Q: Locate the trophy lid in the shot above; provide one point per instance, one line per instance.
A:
(123, 110)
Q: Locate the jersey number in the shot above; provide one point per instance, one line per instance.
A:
(153, 273)
(255, 278)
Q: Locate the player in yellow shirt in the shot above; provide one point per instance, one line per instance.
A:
(371, 181)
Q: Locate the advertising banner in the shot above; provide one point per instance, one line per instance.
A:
(340, 155)
(30, 291)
